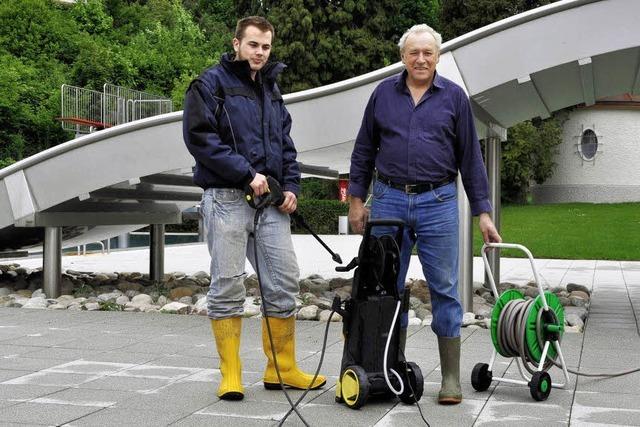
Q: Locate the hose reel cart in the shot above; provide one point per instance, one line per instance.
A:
(530, 331)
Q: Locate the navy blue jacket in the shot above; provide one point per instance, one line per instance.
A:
(236, 127)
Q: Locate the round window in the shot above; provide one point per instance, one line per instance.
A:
(589, 144)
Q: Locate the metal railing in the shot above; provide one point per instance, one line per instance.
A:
(86, 110)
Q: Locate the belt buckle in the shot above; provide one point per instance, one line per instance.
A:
(410, 189)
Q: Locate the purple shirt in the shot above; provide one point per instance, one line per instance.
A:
(428, 142)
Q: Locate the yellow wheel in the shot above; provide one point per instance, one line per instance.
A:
(354, 386)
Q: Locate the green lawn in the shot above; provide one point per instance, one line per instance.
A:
(571, 231)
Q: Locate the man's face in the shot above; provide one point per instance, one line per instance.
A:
(254, 47)
(420, 56)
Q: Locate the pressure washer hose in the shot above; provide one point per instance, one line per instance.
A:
(294, 406)
(511, 337)
(386, 352)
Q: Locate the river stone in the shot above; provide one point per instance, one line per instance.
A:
(321, 303)
(175, 307)
(468, 319)
(423, 312)
(141, 299)
(580, 294)
(309, 312)
(179, 292)
(314, 284)
(339, 282)
(575, 287)
(419, 290)
(186, 300)
(414, 322)
(573, 319)
(200, 306)
(250, 307)
(577, 301)
(5, 292)
(580, 311)
(122, 300)
(130, 286)
(324, 316)
(37, 302)
(92, 306)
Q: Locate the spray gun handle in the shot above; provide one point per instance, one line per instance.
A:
(274, 195)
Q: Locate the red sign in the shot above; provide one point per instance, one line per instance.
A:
(343, 184)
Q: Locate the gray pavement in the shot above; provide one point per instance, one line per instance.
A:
(134, 369)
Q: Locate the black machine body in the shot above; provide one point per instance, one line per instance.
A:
(371, 324)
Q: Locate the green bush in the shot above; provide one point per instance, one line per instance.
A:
(321, 215)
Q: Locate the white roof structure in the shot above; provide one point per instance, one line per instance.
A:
(529, 65)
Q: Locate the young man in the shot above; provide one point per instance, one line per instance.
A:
(236, 127)
(417, 133)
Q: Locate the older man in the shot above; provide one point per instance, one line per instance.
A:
(417, 134)
(237, 129)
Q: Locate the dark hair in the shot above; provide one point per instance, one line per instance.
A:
(257, 21)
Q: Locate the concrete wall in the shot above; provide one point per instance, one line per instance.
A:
(612, 176)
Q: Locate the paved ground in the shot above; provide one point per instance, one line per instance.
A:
(102, 368)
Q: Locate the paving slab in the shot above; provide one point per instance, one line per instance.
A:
(138, 369)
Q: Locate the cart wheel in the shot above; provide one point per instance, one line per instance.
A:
(540, 385)
(354, 386)
(481, 377)
(416, 383)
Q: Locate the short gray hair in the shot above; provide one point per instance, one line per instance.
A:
(420, 28)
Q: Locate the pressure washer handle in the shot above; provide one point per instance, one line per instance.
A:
(273, 196)
(385, 222)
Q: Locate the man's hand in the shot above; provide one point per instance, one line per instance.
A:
(259, 185)
(488, 230)
(290, 202)
(358, 215)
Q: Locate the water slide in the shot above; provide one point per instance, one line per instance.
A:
(103, 184)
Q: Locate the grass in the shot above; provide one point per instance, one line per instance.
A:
(571, 231)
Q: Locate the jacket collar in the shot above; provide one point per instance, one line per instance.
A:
(267, 74)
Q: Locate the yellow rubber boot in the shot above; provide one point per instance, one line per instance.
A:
(227, 335)
(283, 332)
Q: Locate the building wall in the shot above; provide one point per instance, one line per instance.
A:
(614, 173)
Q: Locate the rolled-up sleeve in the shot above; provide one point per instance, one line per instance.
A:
(364, 153)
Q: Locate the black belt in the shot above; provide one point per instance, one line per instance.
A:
(417, 188)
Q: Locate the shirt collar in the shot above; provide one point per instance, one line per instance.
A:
(401, 81)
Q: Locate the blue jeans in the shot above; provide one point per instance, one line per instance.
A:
(431, 220)
(228, 221)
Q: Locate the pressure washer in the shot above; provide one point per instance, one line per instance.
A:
(529, 331)
(373, 362)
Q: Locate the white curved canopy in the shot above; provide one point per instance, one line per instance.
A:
(567, 53)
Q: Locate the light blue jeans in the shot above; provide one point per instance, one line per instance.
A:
(228, 221)
(431, 220)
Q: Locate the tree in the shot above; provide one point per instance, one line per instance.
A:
(459, 17)
(527, 156)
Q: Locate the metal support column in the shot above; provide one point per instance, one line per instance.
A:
(123, 241)
(156, 255)
(52, 261)
(493, 155)
(465, 250)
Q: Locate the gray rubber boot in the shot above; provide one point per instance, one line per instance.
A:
(450, 393)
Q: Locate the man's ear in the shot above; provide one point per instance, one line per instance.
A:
(236, 45)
